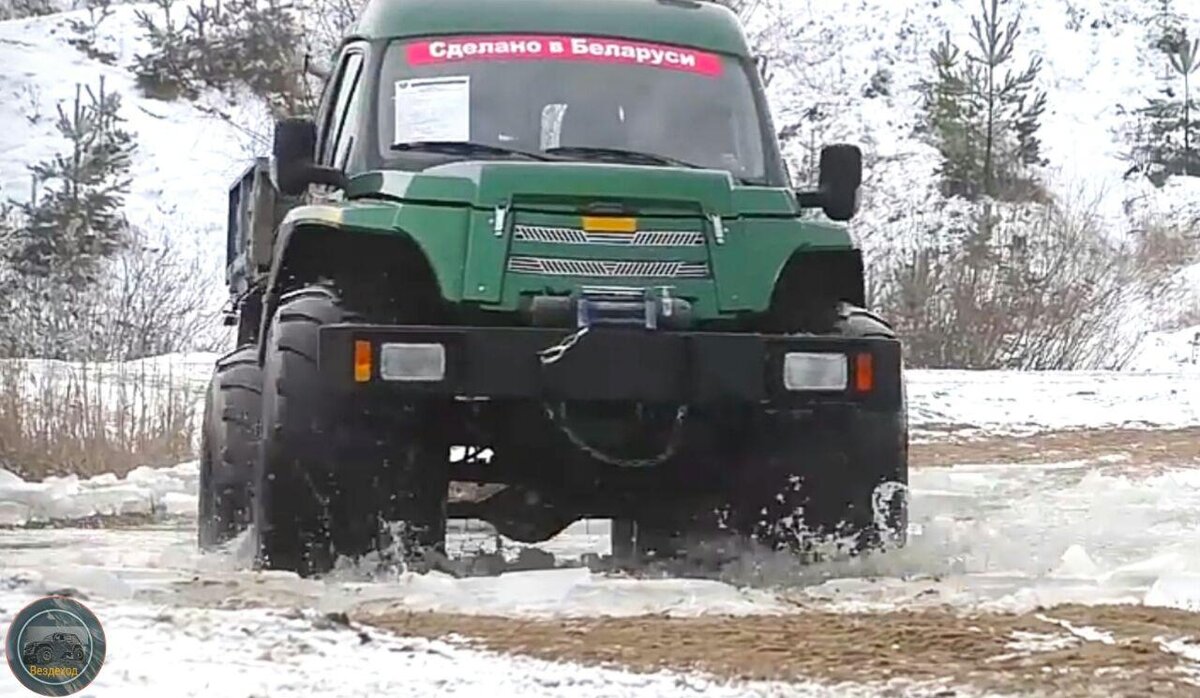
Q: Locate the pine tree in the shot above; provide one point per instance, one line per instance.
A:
(984, 116)
(87, 31)
(223, 45)
(74, 219)
(1185, 60)
(1166, 139)
(1167, 26)
(951, 117)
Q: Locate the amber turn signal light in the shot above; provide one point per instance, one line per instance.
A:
(864, 372)
(362, 361)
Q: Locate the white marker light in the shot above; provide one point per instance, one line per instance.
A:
(804, 371)
(412, 363)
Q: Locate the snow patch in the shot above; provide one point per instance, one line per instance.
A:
(1175, 350)
(1188, 648)
(1083, 632)
(1176, 590)
(974, 403)
(146, 491)
(1076, 563)
(1015, 538)
(1024, 644)
(986, 537)
(570, 593)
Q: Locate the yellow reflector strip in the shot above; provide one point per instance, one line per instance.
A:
(610, 224)
(362, 361)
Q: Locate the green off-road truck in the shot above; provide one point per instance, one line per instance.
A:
(551, 247)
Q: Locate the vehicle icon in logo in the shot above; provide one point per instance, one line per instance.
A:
(57, 646)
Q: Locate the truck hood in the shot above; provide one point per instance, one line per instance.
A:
(571, 186)
(498, 232)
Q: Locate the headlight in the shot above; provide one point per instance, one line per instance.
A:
(414, 363)
(810, 371)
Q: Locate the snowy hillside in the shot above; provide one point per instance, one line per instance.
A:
(843, 69)
(185, 160)
(856, 65)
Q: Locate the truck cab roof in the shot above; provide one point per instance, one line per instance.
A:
(693, 23)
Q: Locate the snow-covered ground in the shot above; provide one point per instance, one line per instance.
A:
(1015, 538)
(1015, 402)
(147, 491)
(1010, 538)
(983, 537)
(1168, 351)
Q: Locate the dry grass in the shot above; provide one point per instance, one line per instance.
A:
(1142, 448)
(931, 645)
(58, 418)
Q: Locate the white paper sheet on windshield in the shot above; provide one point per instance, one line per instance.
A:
(433, 109)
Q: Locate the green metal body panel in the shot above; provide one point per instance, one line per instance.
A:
(700, 25)
(450, 212)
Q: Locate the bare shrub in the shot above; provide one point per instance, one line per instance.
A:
(85, 419)
(156, 300)
(1164, 246)
(1023, 287)
(153, 298)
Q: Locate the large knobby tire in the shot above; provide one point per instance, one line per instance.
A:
(229, 447)
(331, 473)
(838, 475)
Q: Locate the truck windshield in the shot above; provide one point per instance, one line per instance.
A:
(578, 98)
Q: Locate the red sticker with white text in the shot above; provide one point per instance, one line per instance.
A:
(578, 48)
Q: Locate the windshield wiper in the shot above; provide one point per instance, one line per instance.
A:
(619, 153)
(467, 148)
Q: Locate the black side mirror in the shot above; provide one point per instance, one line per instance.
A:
(292, 166)
(840, 180)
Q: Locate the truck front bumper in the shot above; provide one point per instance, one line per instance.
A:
(612, 364)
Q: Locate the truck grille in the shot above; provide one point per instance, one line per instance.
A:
(608, 268)
(574, 236)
